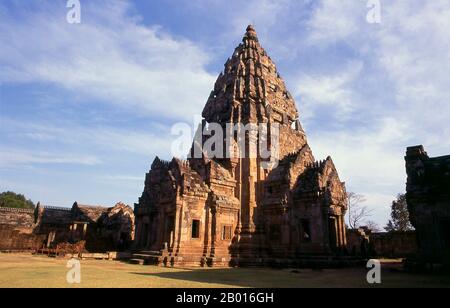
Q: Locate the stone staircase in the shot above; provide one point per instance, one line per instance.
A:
(147, 258)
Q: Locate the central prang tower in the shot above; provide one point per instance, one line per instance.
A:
(226, 210)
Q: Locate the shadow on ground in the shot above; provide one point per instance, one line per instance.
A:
(392, 276)
(265, 278)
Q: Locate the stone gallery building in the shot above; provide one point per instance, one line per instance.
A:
(102, 228)
(244, 209)
(17, 230)
(428, 198)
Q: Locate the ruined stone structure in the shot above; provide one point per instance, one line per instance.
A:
(16, 230)
(101, 228)
(238, 211)
(428, 199)
(358, 241)
(397, 244)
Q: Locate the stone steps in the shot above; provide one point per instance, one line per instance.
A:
(150, 252)
(146, 257)
(137, 261)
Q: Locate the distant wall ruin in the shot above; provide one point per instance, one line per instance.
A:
(16, 230)
(396, 244)
(102, 228)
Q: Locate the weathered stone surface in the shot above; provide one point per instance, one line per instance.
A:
(428, 198)
(16, 230)
(221, 211)
(397, 244)
(101, 228)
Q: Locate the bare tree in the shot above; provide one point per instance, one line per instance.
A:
(373, 226)
(357, 212)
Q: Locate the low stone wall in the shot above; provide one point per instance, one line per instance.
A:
(394, 244)
(103, 229)
(17, 217)
(19, 239)
(16, 230)
(397, 244)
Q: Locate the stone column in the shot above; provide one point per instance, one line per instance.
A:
(344, 232)
(336, 230)
(74, 232)
(207, 232)
(178, 228)
(213, 230)
(70, 232)
(341, 231)
(326, 228)
(84, 231)
(161, 226)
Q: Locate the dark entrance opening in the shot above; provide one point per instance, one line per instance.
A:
(332, 232)
(196, 229)
(275, 234)
(169, 230)
(123, 241)
(305, 231)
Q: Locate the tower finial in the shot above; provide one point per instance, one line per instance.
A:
(251, 33)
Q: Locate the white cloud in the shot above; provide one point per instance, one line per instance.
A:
(369, 160)
(334, 91)
(14, 157)
(402, 89)
(334, 21)
(408, 52)
(387, 84)
(92, 140)
(263, 14)
(109, 56)
(413, 49)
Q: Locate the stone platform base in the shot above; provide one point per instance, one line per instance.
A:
(307, 261)
(303, 262)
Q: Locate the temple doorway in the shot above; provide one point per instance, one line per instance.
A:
(169, 230)
(332, 232)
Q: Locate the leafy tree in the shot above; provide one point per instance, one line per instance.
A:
(399, 215)
(13, 200)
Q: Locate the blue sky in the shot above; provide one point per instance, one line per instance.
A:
(85, 108)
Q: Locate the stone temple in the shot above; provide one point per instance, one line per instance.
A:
(428, 198)
(236, 211)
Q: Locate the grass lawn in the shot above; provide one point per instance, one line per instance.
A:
(21, 270)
